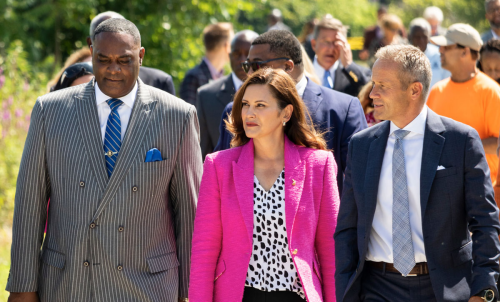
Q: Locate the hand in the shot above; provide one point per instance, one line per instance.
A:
(345, 50)
(476, 299)
(23, 297)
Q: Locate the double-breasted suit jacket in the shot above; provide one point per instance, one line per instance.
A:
(126, 238)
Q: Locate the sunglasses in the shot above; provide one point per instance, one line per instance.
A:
(256, 65)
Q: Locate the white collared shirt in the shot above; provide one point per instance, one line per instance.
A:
(320, 71)
(380, 243)
(495, 36)
(236, 81)
(103, 109)
(301, 86)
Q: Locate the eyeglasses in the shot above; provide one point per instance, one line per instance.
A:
(256, 65)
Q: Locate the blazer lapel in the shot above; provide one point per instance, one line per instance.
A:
(295, 173)
(373, 170)
(226, 92)
(136, 132)
(89, 127)
(243, 173)
(432, 148)
(312, 97)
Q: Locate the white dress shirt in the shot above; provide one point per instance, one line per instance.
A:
(495, 36)
(103, 109)
(236, 81)
(320, 71)
(380, 243)
(301, 86)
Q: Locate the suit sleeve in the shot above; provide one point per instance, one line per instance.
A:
(184, 190)
(206, 146)
(346, 247)
(357, 77)
(355, 121)
(189, 88)
(482, 217)
(225, 136)
(30, 211)
(207, 237)
(325, 246)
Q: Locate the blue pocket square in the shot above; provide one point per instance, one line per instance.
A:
(153, 155)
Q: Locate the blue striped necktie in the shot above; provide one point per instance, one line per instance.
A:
(402, 243)
(112, 136)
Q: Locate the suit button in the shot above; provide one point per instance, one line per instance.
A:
(120, 229)
(119, 267)
(86, 263)
(82, 184)
(134, 189)
(92, 225)
(293, 182)
(294, 252)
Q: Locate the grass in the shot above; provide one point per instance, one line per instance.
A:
(5, 241)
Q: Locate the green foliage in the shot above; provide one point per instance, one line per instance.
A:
(454, 11)
(19, 88)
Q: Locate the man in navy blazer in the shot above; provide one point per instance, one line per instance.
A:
(337, 114)
(417, 220)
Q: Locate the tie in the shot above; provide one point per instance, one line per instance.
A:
(112, 136)
(326, 77)
(402, 244)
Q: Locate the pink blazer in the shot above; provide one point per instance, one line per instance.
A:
(223, 228)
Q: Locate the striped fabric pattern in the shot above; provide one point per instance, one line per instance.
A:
(123, 238)
(112, 135)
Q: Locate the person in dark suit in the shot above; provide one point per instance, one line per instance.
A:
(217, 39)
(213, 97)
(417, 221)
(337, 114)
(333, 62)
(150, 76)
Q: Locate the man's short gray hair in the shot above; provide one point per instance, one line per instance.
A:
(433, 12)
(420, 23)
(100, 18)
(413, 64)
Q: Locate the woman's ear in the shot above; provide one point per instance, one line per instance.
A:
(288, 110)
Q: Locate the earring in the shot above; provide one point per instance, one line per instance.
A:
(284, 123)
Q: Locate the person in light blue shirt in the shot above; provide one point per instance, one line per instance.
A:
(419, 34)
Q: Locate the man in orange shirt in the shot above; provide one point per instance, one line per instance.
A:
(468, 96)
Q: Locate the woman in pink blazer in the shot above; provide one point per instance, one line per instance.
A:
(268, 207)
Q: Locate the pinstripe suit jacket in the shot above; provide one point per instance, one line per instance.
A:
(120, 239)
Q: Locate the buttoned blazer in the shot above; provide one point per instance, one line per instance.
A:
(455, 201)
(222, 240)
(116, 239)
(336, 114)
(210, 103)
(194, 79)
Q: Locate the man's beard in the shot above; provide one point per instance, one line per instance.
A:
(495, 25)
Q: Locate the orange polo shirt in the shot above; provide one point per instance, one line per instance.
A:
(475, 103)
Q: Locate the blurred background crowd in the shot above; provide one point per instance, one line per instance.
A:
(188, 44)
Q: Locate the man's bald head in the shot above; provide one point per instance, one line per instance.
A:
(243, 36)
(102, 17)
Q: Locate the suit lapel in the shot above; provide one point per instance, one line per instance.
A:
(312, 97)
(295, 172)
(432, 148)
(205, 70)
(243, 173)
(89, 127)
(226, 92)
(373, 170)
(136, 132)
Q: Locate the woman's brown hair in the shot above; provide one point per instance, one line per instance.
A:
(297, 129)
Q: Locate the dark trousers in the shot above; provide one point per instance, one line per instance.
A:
(254, 295)
(378, 286)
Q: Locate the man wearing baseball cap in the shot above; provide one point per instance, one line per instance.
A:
(468, 96)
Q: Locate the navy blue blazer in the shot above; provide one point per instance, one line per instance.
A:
(339, 114)
(455, 201)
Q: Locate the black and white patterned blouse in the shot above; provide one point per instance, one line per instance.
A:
(271, 266)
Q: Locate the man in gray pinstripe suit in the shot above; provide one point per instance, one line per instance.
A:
(119, 231)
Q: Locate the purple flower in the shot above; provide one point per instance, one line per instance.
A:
(26, 86)
(2, 80)
(6, 115)
(18, 112)
(10, 100)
